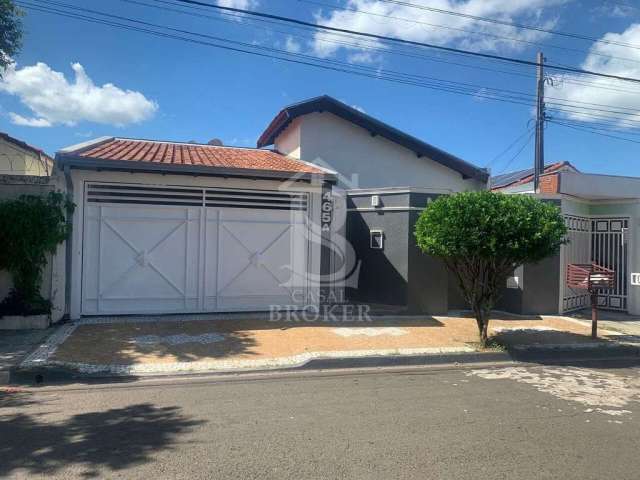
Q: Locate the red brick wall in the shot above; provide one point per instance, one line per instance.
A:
(549, 183)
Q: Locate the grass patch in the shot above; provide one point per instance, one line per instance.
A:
(493, 345)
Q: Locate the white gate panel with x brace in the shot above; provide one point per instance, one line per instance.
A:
(140, 257)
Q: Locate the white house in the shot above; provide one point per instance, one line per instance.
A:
(169, 227)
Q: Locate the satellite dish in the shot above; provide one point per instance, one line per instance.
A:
(216, 142)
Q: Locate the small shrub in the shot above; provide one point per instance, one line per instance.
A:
(30, 228)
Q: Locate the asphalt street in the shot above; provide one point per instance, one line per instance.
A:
(514, 422)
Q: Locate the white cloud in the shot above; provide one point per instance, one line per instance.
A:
(241, 4)
(291, 45)
(614, 10)
(616, 95)
(456, 33)
(28, 122)
(55, 101)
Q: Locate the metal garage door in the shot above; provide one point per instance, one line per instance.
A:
(162, 250)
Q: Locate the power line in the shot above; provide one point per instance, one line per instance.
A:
(517, 154)
(511, 145)
(325, 40)
(588, 130)
(464, 30)
(360, 46)
(462, 88)
(606, 127)
(588, 117)
(406, 42)
(504, 93)
(327, 65)
(513, 24)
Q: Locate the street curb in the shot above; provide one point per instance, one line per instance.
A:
(550, 353)
(38, 375)
(51, 374)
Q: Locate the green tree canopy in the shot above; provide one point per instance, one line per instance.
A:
(10, 32)
(31, 227)
(483, 236)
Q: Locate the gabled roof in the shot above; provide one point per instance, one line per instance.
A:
(24, 145)
(176, 157)
(525, 176)
(326, 103)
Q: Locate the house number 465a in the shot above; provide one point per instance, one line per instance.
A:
(635, 279)
(326, 213)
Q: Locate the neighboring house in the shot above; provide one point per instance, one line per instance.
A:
(20, 158)
(388, 177)
(522, 180)
(602, 213)
(165, 227)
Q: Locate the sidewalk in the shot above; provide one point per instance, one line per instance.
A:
(174, 344)
(16, 345)
(626, 325)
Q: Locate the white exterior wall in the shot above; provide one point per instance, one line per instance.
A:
(362, 160)
(288, 142)
(15, 160)
(604, 208)
(79, 177)
(53, 275)
(596, 186)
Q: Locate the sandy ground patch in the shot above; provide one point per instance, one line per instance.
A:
(211, 340)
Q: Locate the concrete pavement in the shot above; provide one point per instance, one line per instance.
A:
(527, 422)
(15, 345)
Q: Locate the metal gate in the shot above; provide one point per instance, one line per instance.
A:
(609, 248)
(578, 250)
(603, 241)
(157, 249)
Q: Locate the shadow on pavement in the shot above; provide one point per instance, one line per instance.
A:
(534, 336)
(115, 439)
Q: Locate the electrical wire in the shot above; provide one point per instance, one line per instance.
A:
(317, 62)
(335, 65)
(589, 130)
(406, 42)
(513, 24)
(511, 145)
(517, 154)
(473, 32)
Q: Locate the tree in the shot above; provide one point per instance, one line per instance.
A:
(10, 32)
(483, 236)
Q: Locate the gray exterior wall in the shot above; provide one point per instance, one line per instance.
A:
(428, 278)
(541, 292)
(400, 274)
(384, 274)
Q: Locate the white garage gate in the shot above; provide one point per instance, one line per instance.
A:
(156, 249)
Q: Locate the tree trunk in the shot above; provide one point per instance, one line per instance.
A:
(484, 332)
(482, 319)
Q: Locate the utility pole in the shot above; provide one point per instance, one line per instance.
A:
(538, 168)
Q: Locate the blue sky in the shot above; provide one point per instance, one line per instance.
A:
(172, 90)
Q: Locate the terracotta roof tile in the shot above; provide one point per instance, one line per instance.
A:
(196, 154)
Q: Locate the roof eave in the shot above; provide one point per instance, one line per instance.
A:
(85, 163)
(375, 127)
